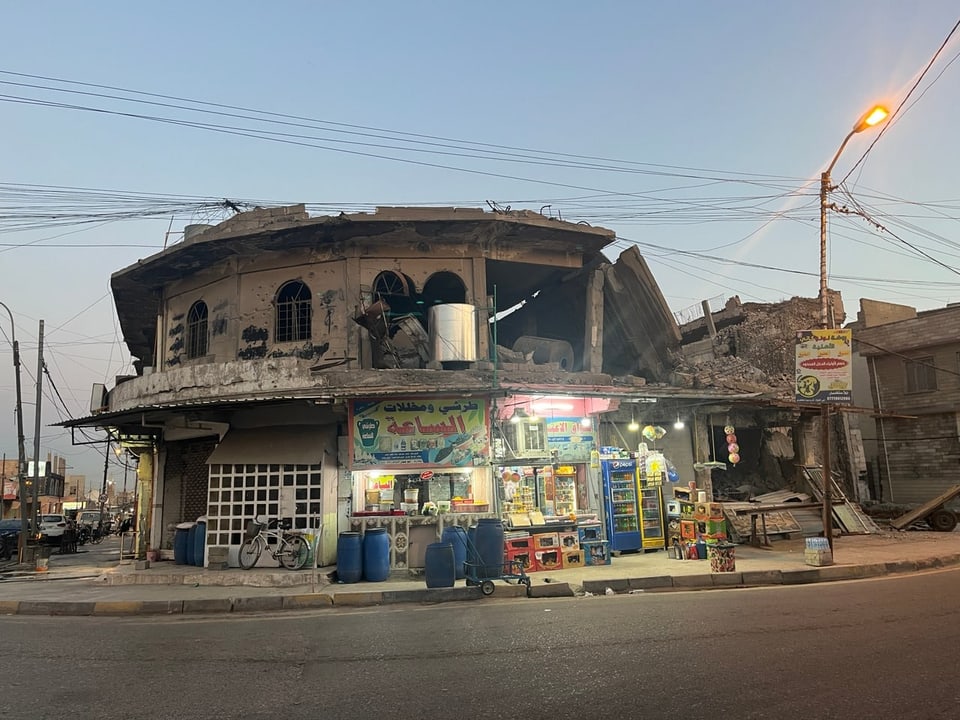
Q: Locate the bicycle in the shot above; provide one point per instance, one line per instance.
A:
(291, 549)
(96, 535)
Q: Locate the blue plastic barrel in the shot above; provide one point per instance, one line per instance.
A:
(701, 550)
(457, 537)
(472, 559)
(489, 544)
(439, 568)
(200, 543)
(192, 545)
(376, 555)
(349, 557)
(180, 544)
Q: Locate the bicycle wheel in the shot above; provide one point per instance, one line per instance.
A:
(295, 552)
(96, 538)
(250, 552)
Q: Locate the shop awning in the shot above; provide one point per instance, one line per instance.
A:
(287, 445)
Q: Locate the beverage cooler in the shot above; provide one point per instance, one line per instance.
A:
(565, 490)
(651, 518)
(622, 508)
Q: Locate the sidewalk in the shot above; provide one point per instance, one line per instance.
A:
(165, 588)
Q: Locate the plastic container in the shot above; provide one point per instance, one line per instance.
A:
(722, 557)
(489, 544)
(457, 537)
(701, 550)
(200, 543)
(376, 555)
(439, 563)
(180, 540)
(349, 557)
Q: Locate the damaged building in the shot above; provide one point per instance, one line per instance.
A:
(750, 348)
(287, 364)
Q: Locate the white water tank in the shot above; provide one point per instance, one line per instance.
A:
(453, 332)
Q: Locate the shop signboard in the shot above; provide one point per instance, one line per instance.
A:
(824, 373)
(10, 489)
(571, 441)
(440, 432)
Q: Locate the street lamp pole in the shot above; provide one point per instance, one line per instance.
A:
(874, 116)
(21, 452)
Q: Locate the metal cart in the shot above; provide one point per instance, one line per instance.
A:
(478, 573)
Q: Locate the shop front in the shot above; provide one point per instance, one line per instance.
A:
(418, 466)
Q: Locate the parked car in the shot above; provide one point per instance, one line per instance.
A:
(54, 528)
(9, 537)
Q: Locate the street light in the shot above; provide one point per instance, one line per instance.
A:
(869, 119)
(21, 452)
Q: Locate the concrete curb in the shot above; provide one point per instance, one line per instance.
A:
(365, 598)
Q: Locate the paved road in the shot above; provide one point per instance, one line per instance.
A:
(876, 648)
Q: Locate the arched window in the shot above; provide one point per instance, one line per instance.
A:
(293, 312)
(197, 330)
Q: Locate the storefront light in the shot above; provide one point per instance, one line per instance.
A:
(678, 425)
(585, 422)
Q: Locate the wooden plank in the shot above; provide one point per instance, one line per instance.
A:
(917, 513)
(846, 515)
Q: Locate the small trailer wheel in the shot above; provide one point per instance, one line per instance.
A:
(487, 587)
(942, 520)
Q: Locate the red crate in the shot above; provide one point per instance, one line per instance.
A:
(525, 557)
(521, 543)
(549, 559)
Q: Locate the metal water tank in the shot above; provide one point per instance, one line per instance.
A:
(546, 350)
(453, 332)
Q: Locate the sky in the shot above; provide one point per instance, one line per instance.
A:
(696, 130)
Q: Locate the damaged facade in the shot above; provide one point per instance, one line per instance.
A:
(750, 348)
(280, 356)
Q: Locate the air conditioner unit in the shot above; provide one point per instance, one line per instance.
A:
(527, 439)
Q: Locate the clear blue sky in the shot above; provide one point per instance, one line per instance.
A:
(683, 101)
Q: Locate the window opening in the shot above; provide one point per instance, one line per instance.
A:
(197, 330)
(294, 313)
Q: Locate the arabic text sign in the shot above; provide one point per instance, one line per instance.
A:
(443, 432)
(570, 439)
(824, 373)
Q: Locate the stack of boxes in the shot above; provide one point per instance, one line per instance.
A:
(546, 550)
(596, 551)
(519, 549)
(711, 525)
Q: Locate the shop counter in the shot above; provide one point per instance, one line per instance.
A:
(410, 534)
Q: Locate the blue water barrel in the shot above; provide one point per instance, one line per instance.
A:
(457, 537)
(439, 568)
(349, 557)
(180, 544)
(489, 544)
(192, 545)
(200, 543)
(376, 555)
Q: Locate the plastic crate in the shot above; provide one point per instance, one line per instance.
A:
(569, 541)
(524, 557)
(596, 552)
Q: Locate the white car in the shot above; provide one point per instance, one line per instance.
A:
(53, 527)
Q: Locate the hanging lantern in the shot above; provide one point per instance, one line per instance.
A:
(732, 447)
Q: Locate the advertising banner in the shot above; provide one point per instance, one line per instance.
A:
(824, 373)
(440, 432)
(570, 439)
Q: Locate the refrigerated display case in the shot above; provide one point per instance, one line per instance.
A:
(651, 519)
(565, 490)
(622, 508)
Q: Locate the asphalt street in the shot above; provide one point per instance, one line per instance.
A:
(871, 648)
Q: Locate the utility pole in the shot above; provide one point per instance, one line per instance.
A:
(103, 489)
(36, 431)
(21, 451)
